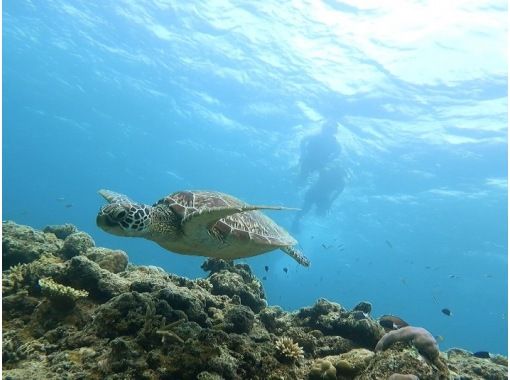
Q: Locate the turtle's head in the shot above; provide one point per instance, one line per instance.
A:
(124, 218)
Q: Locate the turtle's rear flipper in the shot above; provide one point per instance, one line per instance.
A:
(296, 255)
(204, 219)
(113, 197)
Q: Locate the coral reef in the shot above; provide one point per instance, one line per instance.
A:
(322, 369)
(287, 350)
(61, 296)
(399, 376)
(420, 338)
(74, 310)
(61, 231)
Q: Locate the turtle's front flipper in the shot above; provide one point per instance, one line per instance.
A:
(204, 219)
(113, 197)
(296, 255)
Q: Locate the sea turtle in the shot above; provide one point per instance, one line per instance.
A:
(203, 223)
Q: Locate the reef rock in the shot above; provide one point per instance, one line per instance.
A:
(74, 310)
(23, 244)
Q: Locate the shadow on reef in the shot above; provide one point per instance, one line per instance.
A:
(73, 310)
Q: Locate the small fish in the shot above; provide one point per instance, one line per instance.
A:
(285, 269)
(447, 312)
(439, 338)
(61, 199)
(264, 278)
(452, 276)
(69, 205)
(387, 324)
(359, 315)
(482, 354)
(388, 243)
(326, 246)
(266, 268)
(392, 322)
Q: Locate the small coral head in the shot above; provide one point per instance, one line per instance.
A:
(124, 218)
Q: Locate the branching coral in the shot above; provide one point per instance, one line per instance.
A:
(16, 277)
(60, 295)
(166, 331)
(288, 350)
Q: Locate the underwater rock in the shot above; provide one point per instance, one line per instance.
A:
(239, 319)
(205, 375)
(122, 315)
(115, 261)
(233, 282)
(332, 319)
(322, 369)
(321, 307)
(185, 300)
(400, 358)
(353, 362)
(140, 322)
(363, 306)
(61, 231)
(274, 319)
(76, 244)
(399, 376)
(464, 365)
(101, 284)
(23, 244)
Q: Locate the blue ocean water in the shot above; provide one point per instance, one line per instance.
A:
(150, 97)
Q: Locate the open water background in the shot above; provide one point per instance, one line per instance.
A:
(150, 97)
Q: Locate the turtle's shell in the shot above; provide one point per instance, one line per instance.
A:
(243, 226)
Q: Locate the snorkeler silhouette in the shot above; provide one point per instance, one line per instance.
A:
(323, 192)
(318, 150)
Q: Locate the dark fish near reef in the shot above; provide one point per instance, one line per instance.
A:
(358, 315)
(264, 278)
(266, 268)
(447, 312)
(482, 354)
(391, 322)
(69, 205)
(285, 269)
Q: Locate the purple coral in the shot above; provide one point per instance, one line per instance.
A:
(419, 338)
